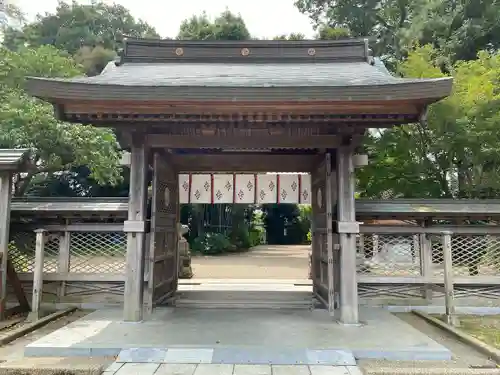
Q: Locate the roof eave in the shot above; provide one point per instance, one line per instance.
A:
(57, 91)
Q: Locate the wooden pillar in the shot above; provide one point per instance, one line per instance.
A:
(426, 260)
(5, 196)
(449, 293)
(335, 237)
(347, 228)
(329, 234)
(36, 298)
(63, 260)
(135, 227)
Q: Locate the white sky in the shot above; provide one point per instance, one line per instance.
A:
(264, 18)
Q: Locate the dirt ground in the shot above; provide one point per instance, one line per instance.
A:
(261, 262)
(463, 355)
(485, 328)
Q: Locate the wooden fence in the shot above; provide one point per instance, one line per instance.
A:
(401, 263)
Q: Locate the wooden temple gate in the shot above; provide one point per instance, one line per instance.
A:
(241, 106)
(164, 253)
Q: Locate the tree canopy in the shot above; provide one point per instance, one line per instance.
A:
(26, 122)
(93, 33)
(227, 26)
(75, 25)
(458, 30)
(456, 153)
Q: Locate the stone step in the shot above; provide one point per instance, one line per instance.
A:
(245, 299)
(243, 304)
(252, 295)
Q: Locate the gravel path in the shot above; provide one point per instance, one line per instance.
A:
(261, 262)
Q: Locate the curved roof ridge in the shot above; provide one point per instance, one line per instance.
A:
(245, 51)
(238, 43)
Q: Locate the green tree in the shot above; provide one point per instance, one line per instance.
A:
(383, 20)
(291, 36)
(26, 122)
(226, 26)
(457, 153)
(332, 33)
(94, 33)
(75, 25)
(459, 30)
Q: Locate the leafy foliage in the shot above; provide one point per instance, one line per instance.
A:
(286, 224)
(212, 244)
(457, 154)
(227, 26)
(383, 20)
(292, 36)
(93, 33)
(458, 30)
(25, 122)
(76, 25)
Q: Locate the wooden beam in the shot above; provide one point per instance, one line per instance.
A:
(135, 227)
(244, 163)
(231, 142)
(346, 216)
(460, 230)
(5, 197)
(276, 108)
(36, 298)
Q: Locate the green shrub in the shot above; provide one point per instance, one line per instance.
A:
(255, 235)
(309, 237)
(240, 238)
(212, 244)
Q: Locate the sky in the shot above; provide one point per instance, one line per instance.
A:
(264, 18)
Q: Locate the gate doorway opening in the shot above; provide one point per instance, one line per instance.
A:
(248, 240)
(243, 229)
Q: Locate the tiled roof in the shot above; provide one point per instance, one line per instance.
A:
(243, 75)
(151, 70)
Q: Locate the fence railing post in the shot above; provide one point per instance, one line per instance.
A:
(375, 244)
(63, 260)
(426, 261)
(451, 317)
(36, 300)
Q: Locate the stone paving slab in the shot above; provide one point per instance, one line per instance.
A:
(226, 369)
(311, 337)
(238, 355)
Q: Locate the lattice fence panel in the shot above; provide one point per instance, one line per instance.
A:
(98, 252)
(392, 291)
(388, 255)
(472, 255)
(22, 251)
